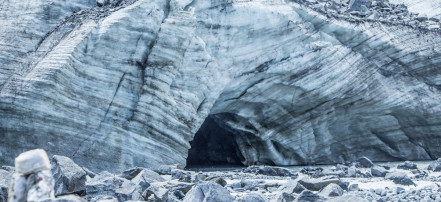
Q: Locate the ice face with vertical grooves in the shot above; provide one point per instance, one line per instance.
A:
(116, 87)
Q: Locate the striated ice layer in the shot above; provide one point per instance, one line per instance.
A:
(130, 85)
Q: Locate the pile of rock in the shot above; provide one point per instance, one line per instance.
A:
(372, 10)
(34, 179)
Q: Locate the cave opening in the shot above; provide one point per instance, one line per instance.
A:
(213, 146)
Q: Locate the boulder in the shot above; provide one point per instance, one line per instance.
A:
(378, 171)
(309, 196)
(5, 181)
(407, 166)
(218, 180)
(32, 161)
(208, 191)
(319, 183)
(17, 191)
(146, 173)
(435, 166)
(348, 197)
(352, 171)
(157, 192)
(292, 187)
(270, 171)
(180, 175)
(69, 177)
(40, 186)
(145, 178)
(107, 184)
(286, 197)
(250, 198)
(166, 169)
(332, 190)
(353, 187)
(69, 198)
(400, 178)
(365, 162)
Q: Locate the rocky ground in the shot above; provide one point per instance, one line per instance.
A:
(363, 180)
(375, 11)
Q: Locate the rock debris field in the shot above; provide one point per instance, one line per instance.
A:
(36, 178)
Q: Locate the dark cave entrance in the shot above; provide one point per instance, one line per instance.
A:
(213, 146)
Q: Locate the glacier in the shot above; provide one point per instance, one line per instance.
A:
(129, 83)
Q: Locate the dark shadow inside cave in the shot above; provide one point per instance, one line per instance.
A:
(213, 146)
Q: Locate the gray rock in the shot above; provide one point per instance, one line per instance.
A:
(67, 198)
(218, 180)
(332, 190)
(309, 196)
(270, 171)
(32, 161)
(250, 198)
(352, 171)
(378, 171)
(399, 190)
(166, 169)
(156, 193)
(317, 184)
(400, 178)
(353, 187)
(5, 182)
(435, 166)
(104, 198)
(407, 166)
(348, 197)
(145, 177)
(89, 172)
(208, 191)
(40, 186)
(357, 5)
(69, 177)
(286, 197)
(365, 162)
(107, 184)
(17, 191)
(183, 176)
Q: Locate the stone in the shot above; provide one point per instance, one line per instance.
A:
(145, 177)
(378, 171)
(270, 171)
(317, 184)
(184, 176)
(68, 198)
(332, 190)
(286, 197)
(353, 187)
(407, 166)
(156, 192)
(107, 184)
(5, 182)
(32, 161)
(435, 166)
(40, 186)
(89, 172)
(218, 180)
(348, 197)
(399, 190)
(365, 162)
(309, 196)
(166, 169)
(208, 191)
(69, 177)
(357, 5)
(250, 198)
(17, 191)
(400, 178)
(352, 171)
